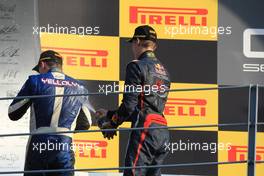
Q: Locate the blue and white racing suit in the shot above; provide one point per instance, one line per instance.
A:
(51, 114)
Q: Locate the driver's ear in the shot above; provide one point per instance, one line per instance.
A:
(138, 41)
(155, 47)
(41, 64)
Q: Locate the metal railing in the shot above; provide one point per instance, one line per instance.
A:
(252, 131)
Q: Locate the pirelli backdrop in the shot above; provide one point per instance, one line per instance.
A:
(203, 44)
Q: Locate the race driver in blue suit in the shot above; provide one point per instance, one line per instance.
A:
(51, 114)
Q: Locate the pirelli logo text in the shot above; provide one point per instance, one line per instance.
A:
(168, 16)
(239, 153)
(183, 107)
(83, 57)
(91, 148)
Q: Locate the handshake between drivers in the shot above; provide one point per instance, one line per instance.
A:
(106, 122)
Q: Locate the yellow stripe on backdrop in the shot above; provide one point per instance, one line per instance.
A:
(86, 57)
(172, 19)
(237, 151)
(186, 108)
(94, 151)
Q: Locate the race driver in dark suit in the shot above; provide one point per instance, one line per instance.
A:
(143, 108)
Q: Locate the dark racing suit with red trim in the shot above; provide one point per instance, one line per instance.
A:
(145, 147)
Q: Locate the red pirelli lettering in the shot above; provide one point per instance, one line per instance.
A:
(185, 107)
(239, 153)
(82, 57)
(168, 16)
(91, 148)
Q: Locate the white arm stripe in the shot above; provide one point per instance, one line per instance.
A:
(17, 105)
(74, 123)
(87, 114)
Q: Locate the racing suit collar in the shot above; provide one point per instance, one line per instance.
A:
(148, 54)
